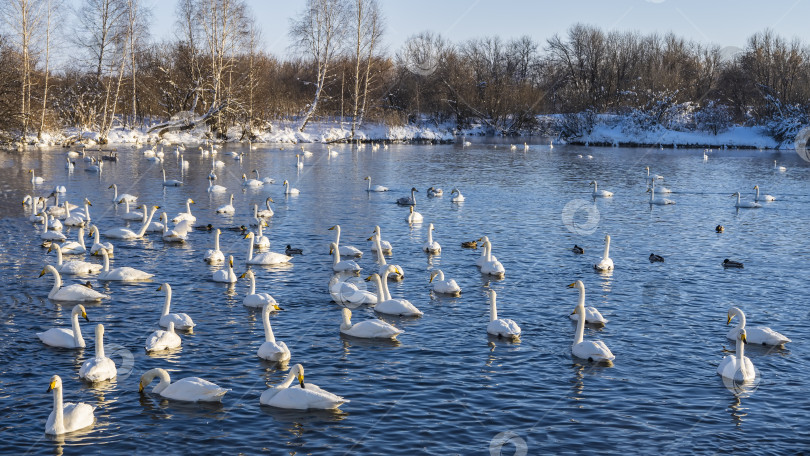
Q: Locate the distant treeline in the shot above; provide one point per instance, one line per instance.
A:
(341, 69)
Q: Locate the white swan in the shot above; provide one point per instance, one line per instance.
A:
(181, 320)
(592, 315)
(301, 396)
(170, 182)
(215, 255)
(260, 241)
(270, 349)
(66, 338)
(341, 266)
(442, 286)
(68, 417)
(98, 368)
(288, 190)
(225, 275)
(299, 164)
(189, 389)
(186, 216)
(606, 263)
(75, 267)
(74, 292)
(131, 215)
(227, 208)
(376, 188)
(214, 188)
(458, 198)
(757, 198)
(126, 197)
(737, 367)
(781, 169)
(491, 266)
(388, 305)
(431, 246)
(600, 193)
(658, 201)
(253, 299)
(500, 327)
(252, 183)
(265, 258)
(265, 180)
(128, 234)
(97, 244)
(163, 340)
(745, 204)
(78, 219)
(264, 213)
(124, 274)
(369, 329)
(154, 227)
(345, 250)
(386, 247)
(414, 217)
(592, 350)
(76, 247)
(396, 275)
(36, 180)
(50, 235)
(177, 234)
(755, 334)
(344, 292)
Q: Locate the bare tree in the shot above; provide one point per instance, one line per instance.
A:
(137, 32)
(101, 28)
(318, 33)
(368, 27)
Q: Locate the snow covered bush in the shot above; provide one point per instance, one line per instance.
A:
(576, 125)
(713, 117)
(786, 119)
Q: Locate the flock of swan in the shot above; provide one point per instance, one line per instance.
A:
(293, 392)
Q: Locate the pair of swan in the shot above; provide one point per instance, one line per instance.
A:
(488, 263)
(265, 258)
(180, 320)
(606, 263)
(74, 292)
(250, 182)
(301, 396)
(128, 234)
(592, 350)
(100, 367)
(74, 267)
(756, 334)
(368, 329)
(344, 250)
(745, 204)
(592, 314)
(67, 338)
(215, 255)
(253, 299)
(347, 266)
(161, 340)
(658, 201)
(376, 188)
(388, 305)
(431, 246)
(226, 275)
(500, 327)
(189, 389)
(442, 286)
(123, 274)
(67, 417)
(599, 193)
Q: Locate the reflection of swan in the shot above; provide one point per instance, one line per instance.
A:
(226, 275)
(345, 250)
(190, 389)
(755, 334)
(440, 285)
(388, 305)
(124, 274)
(266, 258)
(342, 266)
(270, 349)
(376, 188)
(66, 338)
(180, 320)
(431, 246)
(500, 327)
(600, 193)
(100, 367)
(253, 299)
(215, 255)
(67, 417)
(764, 197)
(369, 329)
(737, 366)
(592, 315)
(301, 396)
(745, 204)
(163, 340)
(592, 350)
(75, 292)
(606, 263)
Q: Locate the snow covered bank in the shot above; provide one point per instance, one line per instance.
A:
(734, 137)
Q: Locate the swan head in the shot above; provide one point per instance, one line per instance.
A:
(332, 248)
(55, 384)
(578, 285)
(367, 178)
(99, 331)
(733, 312)
(230, 260)
(411, 209)
(430, 227)
(269, 200)
(249, 235)
(719, 228)
(433, 275)
(247, 273)
(756, 187)
(111, 186)
(741, 336)
(164, 286)
(285, 182)
(79, 310)
(47, 269)
(332, 227)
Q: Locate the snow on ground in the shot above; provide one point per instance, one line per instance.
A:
(737, 136)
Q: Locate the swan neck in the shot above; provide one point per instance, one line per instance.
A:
(607, 248)
(99, 342)
(740, 349)
(289, 380)
(250, 250)
(59, 412)
(268, 330)
(252, 284)
(81, 238)
(580, 334)
(106, 259)
(147, 222)
(386, 292)
(581, 298)
(347, 321)
(57, 284)
(380, 291)
(167, 302)
(493, 308)
(165, 381)
(216, 240)
(380, 257)
(430, 237)
(77, 330)
(58, 255)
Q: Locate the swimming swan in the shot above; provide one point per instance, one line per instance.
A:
(253, 299)
(592, 350)
(98, 368)
(66, 338)
(124, 274)
(442, 286)
(388, 305)
(368, 329)
(181, 321)
(737, 367)
(345, 250)
(606, 263)
(592, 315)
(163, 340)
(755, 334)
(301, 396)
(270, 349)
(189, 389)
(74, 292)
(68, 417)
(500, 327)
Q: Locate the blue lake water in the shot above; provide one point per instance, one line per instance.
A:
(444, 387)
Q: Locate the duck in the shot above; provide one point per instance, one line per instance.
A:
(737, 367)
(761, 335)
(368, 329)
(732, 264)
(413, 217)
(719, 228)
(270, 349)
(342, 266)
(458, 198)
(592, 350)
(215, 255)
(288, 190)
(578, 250)
(592, 315)
(600, 193)
(491, 266)
(74, 292)
(606, 263)
(431, 246)
(170, 182)
(500, 327)
(128, 234)
(100, 367)
(186, 216)
(225, 275)
(126, 197)
(376, 188)
(446, 287)
(292, 251)
(658, 201)
(181, 320)
(227, 208)
(265, 258)
(757, 198)
(123, 274)
(68, 417)
(470, 244)
(66, 338)
(433, 192)
(388, 305)
(75, 267)
(656, 258)
(385, 246)
(301, 396)
(161, 340)
(345, 250)
(189, 389)
(408, 201)
(253, 299)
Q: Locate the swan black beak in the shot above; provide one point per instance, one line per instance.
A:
(84, 314)
(729, 320)
(50, 387)
(742, 338)
(368, 279)
(140, 387)
(572, 285)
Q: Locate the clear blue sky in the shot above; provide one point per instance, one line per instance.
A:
(727, 23)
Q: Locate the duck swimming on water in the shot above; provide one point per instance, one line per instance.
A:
(732, 264)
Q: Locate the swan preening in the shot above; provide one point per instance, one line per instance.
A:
(606, 263)
(592, 350)
(68, 417)
(500, 327)
(737, 367)
(66, 338)
(592, 315)
(100, 367)
(755, 334)
(190, 389)
(303, 396)
(442, 286)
